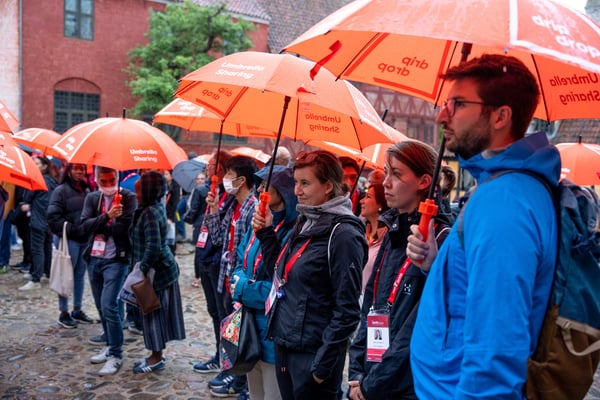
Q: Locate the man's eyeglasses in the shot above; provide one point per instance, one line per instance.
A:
(451, 104)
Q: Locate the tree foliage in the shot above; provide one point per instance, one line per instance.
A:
(182, 39)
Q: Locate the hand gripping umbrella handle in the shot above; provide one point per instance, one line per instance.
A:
(263, 201)
(117, 199)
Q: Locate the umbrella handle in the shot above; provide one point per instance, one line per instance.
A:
(117, 199)
(428, 210)
(214, 180)
(263, 201)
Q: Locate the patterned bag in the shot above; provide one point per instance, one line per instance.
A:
(240, 346)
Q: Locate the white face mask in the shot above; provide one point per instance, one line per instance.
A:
(228, 185)
(108, 191)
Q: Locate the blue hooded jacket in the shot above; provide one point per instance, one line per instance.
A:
(483, 303)
(253, 293)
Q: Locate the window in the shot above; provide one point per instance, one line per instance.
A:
(71, 108)
(79, 19)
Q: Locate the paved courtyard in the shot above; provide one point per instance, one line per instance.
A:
(39, 360)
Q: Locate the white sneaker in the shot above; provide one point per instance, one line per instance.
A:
(100, 357)
(111, 367)
(31, 285)
(27, 276)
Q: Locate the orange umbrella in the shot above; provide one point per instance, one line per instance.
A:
(404, 45)
(192, 117)
(275, 92)
(580, 162)
(8, 121)
(373, 156)
(119, 143)
(18, 167)
(256, 154)
(38, 138)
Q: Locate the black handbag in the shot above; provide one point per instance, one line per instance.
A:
(240, 346)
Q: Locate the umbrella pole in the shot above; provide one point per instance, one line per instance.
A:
(360, 171)
(264, 196)
(214, 180)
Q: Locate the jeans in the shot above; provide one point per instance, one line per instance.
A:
(106, 278)
(76, 250)
(41, 253)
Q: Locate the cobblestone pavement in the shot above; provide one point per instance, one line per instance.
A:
(39, 360)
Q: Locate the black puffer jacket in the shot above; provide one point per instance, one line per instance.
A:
(320, 309)
(392, 378)
(66, 204)
(94, 221)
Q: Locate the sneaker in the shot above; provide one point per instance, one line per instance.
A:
(100, 339)
(223, 379)
(44, 278)
(27, 275)
(143, 367)
(143, 360)
(134, 330)
(100, 357)
(211, 365)
(111, 367)
(66, 321)
(31, 285)
(3, 269)
(80, 316)
(228, 390)
(245, 395)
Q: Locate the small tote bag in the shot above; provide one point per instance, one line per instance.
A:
(61, 270)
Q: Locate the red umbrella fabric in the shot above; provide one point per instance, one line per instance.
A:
(38, 138)
(580, 162)
(8, 121)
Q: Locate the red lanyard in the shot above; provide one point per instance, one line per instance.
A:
(397, 281)
(290, 264)
(234, 219)
(259, 255)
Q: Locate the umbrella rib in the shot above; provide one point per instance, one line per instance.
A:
(539, 78)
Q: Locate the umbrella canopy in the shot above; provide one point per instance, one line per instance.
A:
(8, 121)
(373, 156)
(256, 154)
(18, 167)
(185, 173)
(275, 92)
(38, 138)
(580, 162)
(119, 143)
(405, 45)
(192, 117)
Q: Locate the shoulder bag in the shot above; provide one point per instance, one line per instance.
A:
(61, 269)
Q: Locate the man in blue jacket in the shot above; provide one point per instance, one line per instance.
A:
(486, 293)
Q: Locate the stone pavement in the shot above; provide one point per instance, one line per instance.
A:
(39, 360)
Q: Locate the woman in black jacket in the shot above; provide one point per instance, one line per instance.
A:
(380, 369)
(36, 203)
(313, 304)
(66, 203)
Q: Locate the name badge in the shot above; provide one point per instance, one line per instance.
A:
(378, 335)
(98, 246)
(202, 237)
(272, 297)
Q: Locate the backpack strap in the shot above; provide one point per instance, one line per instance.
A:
(329, 247)
(567, 324)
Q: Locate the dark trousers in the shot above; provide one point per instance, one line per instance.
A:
(215, 305)
(41, 253)
(24, 234)
(5, 241)
(295, 380)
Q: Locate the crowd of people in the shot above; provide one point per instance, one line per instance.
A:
(330, 270)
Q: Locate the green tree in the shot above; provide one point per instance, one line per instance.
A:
(182, 39)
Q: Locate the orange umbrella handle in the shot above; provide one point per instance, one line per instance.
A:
(117, 199)
(263, 201)
(213, 185)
